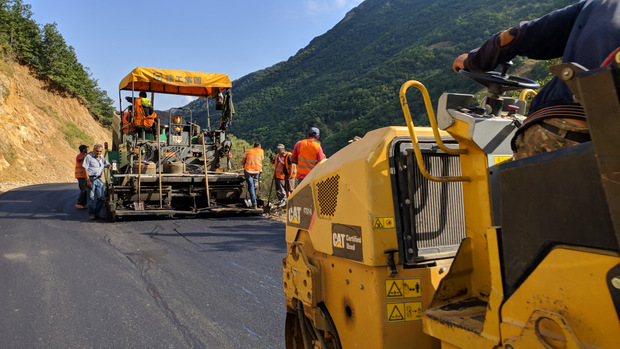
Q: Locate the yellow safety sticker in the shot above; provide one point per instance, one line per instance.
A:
(394, 288)
(412, 288)
(383, 223)
(395, 312)
(501, 159)
(403, 288)
(404, 312)
(413, 311)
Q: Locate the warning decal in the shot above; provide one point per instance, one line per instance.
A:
(395, 312)
(404, 312)
(383, 223)
(412, 288)
(394, 289)
(413, 311)
(403, 288)
(501, 159)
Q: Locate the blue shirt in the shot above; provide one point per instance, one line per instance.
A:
(94, 167)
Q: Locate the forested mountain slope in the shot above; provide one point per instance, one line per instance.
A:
(346, 81)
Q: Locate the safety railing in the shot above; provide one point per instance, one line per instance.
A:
(414, 137)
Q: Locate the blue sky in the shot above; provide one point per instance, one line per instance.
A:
(235, 37)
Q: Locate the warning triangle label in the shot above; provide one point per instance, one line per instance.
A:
(378, 224)
(339, 245)
(395, 291)
(295, 220)
(396, 315)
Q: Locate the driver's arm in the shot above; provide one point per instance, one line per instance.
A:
(542, 38)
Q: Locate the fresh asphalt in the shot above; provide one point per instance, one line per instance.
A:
(68, 282)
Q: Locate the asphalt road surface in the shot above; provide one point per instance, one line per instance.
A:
(68, 282)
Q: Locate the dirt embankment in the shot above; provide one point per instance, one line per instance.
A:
(40, 130)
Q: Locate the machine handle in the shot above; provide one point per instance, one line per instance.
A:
(414, 137)
(526, 92)
(390, 260)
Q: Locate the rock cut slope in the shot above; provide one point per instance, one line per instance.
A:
(40, 130)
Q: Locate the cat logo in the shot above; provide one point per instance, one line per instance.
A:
(338, 240)
(294, 214)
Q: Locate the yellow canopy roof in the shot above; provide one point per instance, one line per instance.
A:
(178, 82)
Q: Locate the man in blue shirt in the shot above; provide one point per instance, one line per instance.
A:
(94, 163)
(584, 33)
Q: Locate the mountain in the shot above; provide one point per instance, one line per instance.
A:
(346, 81)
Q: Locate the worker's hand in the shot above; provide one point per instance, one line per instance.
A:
(89, 184)
(459, 62)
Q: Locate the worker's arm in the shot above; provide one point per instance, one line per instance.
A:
(86, 164)
(542, 38)
(295, 152)
(320, 156)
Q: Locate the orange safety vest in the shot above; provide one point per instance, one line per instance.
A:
(149, 120)
(292, 171)
(138, 116)
(140, 119)
(282, 161)
(80, 172)
(127, 125)
(254, 159)
(308, 155)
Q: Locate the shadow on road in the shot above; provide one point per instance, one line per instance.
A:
(53, 201)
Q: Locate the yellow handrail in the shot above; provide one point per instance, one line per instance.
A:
(527, 92)
(414, 137)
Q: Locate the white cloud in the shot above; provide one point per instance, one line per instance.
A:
(315, 7)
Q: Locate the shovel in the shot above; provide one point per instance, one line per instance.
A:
(139, 205)
(267, 207)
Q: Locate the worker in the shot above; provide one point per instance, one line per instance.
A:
(252, 167)
(584, 33)
(307, 153)
(143, 116)
(128, 126)
(94, 163)
(284, 172)
(80, 174)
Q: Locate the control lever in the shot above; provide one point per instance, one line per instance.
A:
(506, 66)
(390, 260)
(511, 113)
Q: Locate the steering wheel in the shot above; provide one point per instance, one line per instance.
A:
(498, 83)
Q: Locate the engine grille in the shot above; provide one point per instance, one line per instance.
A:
(430, 215)
(327, 196)
(439, 220)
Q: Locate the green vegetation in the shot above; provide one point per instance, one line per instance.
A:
(45, 49)
(346, 81)
(74, 135)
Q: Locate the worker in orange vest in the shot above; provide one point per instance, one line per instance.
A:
(284, 171)
(307, 153)
(143, 116)
(80, 174)
(252, 167)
